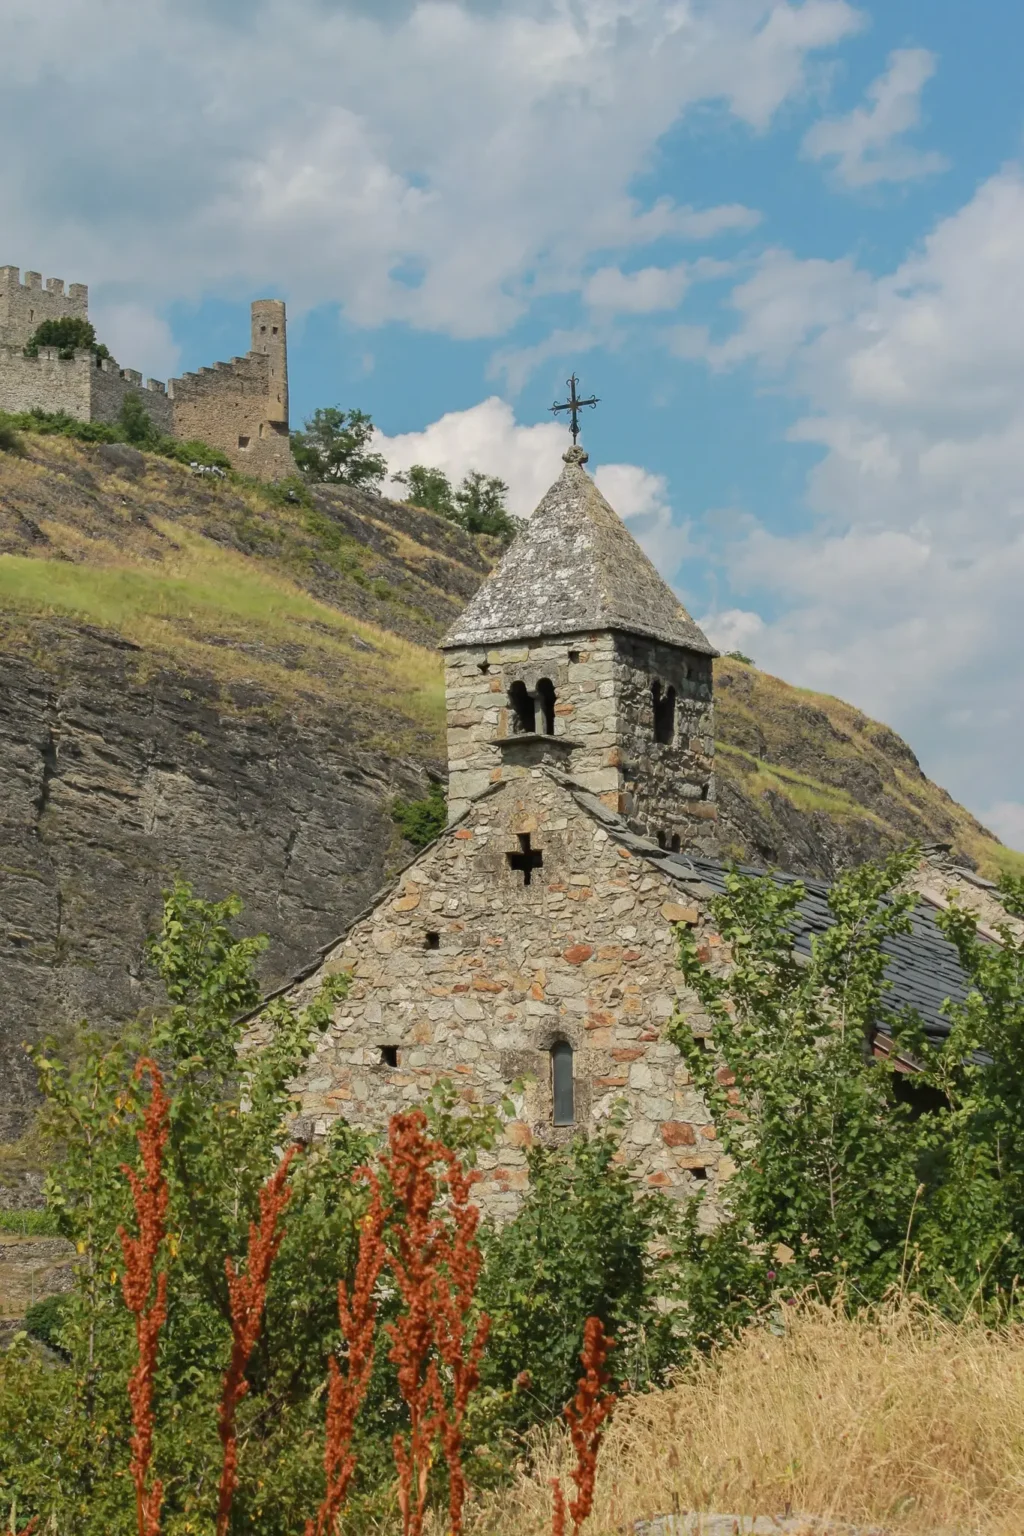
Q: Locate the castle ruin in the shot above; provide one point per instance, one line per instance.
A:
(239, 407)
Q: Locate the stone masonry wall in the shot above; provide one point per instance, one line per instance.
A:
(47, 382)
(604, 727)
(110, 386)
(668, 787)
(241, 407)
(24, 306)
(463, 971)
(477, 683)
(227, 407)
(87, 388)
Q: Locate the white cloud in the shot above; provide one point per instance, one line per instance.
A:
(636, 293)
(641, 499)
(866, 143)
(1006, 819)
(439, 163)
(781, 306)
(734, 629)
(516, 364)
(905, 593)
(487, 437)
(137, 338)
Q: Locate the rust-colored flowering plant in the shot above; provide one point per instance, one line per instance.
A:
(435, 1260)
(146, 1302)
(585, 1415)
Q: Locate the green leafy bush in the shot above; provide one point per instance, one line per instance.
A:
(10, 442)
(850, 1176)
(44, 1319)
(420, 821)
(585, 1243)
(134, 426)
(478, 505)
(68, 335)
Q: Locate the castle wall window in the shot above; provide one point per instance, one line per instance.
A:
(562, 1088)
(664, 701)
(243, 442)
(524, 708)
(546, 706)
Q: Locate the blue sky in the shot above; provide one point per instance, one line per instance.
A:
(783, 242)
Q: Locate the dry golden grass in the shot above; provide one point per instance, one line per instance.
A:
(897, 1419)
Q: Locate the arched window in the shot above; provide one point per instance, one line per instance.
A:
(524, 712)
(562, 1083)
(664, 701)
(546, 706)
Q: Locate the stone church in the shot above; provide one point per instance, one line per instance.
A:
(530, 951)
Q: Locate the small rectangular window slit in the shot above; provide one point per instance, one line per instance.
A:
(431, 941)
(389, 1055)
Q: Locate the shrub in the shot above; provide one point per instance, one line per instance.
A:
(420, 821)
(43, 1321)
(583, 1244)
(68, 335)
(335, 447)
(10, 442)
(134, 426)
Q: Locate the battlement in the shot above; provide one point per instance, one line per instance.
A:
(246, 375)
(239, 406)
(25, 305)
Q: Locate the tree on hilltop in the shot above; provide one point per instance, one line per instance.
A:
(334, 448)
(478, 505)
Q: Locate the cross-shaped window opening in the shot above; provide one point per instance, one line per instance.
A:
(527, 859)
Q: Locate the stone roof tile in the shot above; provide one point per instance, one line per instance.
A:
(575, 568)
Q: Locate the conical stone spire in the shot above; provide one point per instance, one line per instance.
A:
(575, 569)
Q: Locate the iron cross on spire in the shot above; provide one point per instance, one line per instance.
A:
(573, 405)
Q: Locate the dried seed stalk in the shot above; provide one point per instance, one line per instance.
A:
(436, 1265)
(149, 1196)
(347, 1389)
(585, 1415)
(247, 1294)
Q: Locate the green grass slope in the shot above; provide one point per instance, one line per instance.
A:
(338, 598)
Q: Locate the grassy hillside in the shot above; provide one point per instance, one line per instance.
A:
(338, 598)
(800, 771)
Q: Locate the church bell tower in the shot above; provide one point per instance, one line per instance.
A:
(575, 654)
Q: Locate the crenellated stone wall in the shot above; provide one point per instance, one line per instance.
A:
(25, 305)
(240, 407)
(85, 387)
(465, 971)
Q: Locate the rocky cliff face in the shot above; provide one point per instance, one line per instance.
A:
(111, 780)
(217, 680)
(204, 680)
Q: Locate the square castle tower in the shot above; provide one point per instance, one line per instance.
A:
(240, 407)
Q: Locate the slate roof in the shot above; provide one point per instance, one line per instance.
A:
(575, 568)
(924, 967)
